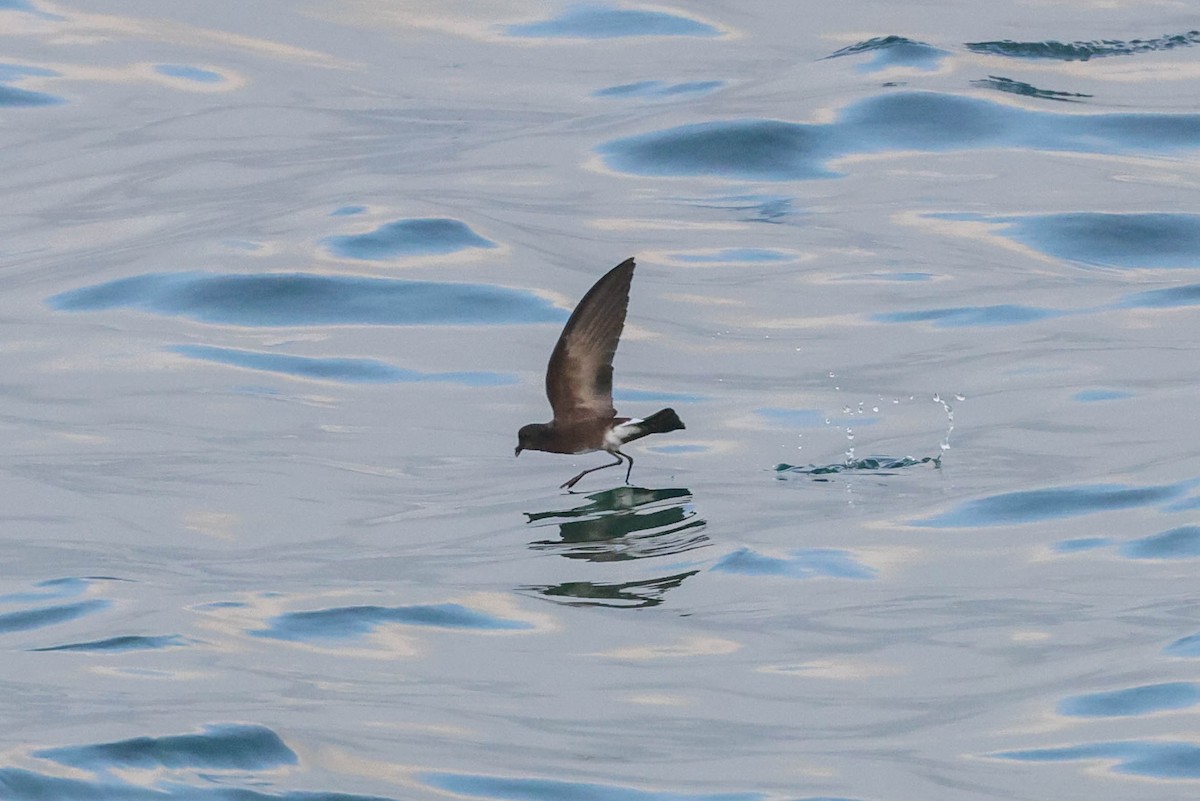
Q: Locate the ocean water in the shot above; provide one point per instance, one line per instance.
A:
(280, 283)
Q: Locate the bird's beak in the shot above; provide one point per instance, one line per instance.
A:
(518, 451)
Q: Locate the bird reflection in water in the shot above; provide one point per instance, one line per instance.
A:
(617, 525)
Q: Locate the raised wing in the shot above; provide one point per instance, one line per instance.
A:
(579, 378)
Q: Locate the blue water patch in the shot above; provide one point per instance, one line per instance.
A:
(802, 418)
(1081, 544)
(228, 746)
(354, 621)
(347, 370)
(189, 73)
(657, 90)
(413, 237)
(49, 615)
(28, 8)
(13, 72)
(651, 396)
(766, 150)
(1127, 241)
(14, 97)
(66, 587)
(1168, 298)
(1023, 89)
(774, 150)
(1083, 51)
(223, 605)
(1049, 504)
(725, 255)
(894, 51)
(1098, 395)
(26, 785)
(1133, 701)
(606, 22)
(121, 644)
(971, 316)
(1185, 646)
(347, 211)
(293, 299)
(1157, 759)
(803, 563)
(1178, 543)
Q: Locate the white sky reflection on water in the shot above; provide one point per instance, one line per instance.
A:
(280, 286)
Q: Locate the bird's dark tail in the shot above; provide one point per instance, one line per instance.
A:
(662, 422)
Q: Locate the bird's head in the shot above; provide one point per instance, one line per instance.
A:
(531, 437)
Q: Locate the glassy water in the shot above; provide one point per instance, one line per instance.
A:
(280, 285)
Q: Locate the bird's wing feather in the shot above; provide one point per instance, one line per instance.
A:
(580, 373)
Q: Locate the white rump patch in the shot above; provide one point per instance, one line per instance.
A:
(617, 436)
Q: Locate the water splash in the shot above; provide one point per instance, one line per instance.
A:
(875, 465)
(937, 398)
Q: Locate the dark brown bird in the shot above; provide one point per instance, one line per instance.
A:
(579, 382)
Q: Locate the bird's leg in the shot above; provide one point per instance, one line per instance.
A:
(630, 470)
(575, 480)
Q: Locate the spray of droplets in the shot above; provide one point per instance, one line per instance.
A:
(937, 398)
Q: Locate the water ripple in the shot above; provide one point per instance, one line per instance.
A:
(1100, 395)
(189, 73)
(120, 644)
(1050, 504)
(225, 747)
(604, 22)
(49, 615)
(1133, 701)
(775, 150)
(970, 316)
(347, 370)
(1127, 241)
(1083, 51)
(294, 299)
(1157, 759)
(66, 587)
(803, 563)
(1178, 543)
(12, 96)
(1026, 89)
(894, 51)
(413, 237)
(1184, 647)
(354, 621)
(530, 789)
(657, 90)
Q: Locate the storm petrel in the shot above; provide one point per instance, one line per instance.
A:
(579, 382)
